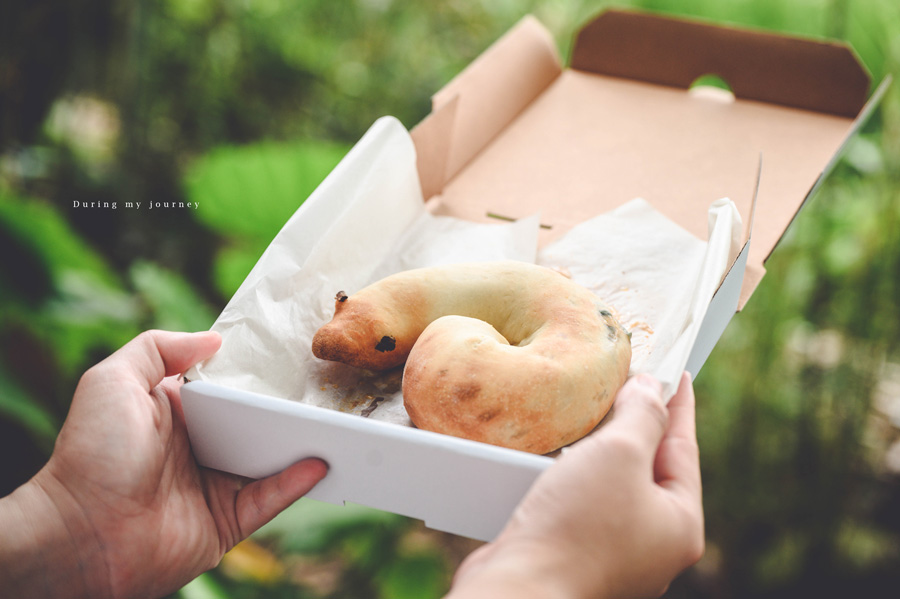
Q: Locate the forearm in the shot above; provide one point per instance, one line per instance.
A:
(44, 552)
(501, 585)
(524, 571)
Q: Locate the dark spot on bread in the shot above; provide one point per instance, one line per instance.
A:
(466, 391)
(611, 332)
(341, 296)
(387, 343)
(487, 416)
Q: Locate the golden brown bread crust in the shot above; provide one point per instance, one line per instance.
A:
(506, 353)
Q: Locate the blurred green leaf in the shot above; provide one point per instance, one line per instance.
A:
(190, 11)
(864, 546)
(84, 297)
(248, 193)
(783, 560)
(84, 309)
(253, 190)
(38, 225)
(711, 81)
(233, 264)
(85, 316)
(174, 305)
(420, 575)
(16, 404)
(310, 526)
(203, 587)
(865, 154)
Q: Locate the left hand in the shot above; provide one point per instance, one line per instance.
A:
(143, 515)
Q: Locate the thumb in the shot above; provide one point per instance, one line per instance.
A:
(639, 412)
(263, 499)
(154, 355)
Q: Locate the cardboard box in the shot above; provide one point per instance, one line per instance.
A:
(527, 134)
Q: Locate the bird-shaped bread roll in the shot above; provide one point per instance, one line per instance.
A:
(507, 353)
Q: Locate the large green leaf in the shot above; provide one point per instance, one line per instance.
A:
(311, 526)
(82, 308)
(16, 404)
(173, 303)
(86, 319)
(234, 262)
(419, 575)
(252, 190)
(38, 225)
(204, 586)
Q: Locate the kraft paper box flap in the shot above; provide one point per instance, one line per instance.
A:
(496, 87)
(812, 75)
(614, 127)
(589, 144)
(820, 86)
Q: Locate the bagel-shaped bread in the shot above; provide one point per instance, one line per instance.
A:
(507, 353)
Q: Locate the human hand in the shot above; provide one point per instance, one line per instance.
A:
(135, 509)
(619, 515)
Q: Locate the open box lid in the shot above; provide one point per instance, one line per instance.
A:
(516, 133)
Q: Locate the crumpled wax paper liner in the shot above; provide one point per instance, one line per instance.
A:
(657, 278)
(368, 220)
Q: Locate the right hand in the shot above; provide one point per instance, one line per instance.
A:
(619, 515)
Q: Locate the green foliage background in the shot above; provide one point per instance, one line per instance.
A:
(244, 107)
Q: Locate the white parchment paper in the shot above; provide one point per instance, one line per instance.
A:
(368, 220)
(657, 277)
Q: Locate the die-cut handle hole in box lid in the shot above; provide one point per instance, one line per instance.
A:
(516, 133)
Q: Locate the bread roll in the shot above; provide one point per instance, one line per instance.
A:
(507, 353)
